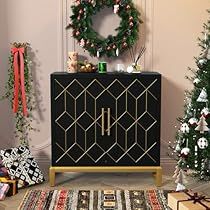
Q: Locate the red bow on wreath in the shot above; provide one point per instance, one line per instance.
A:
(19, 80)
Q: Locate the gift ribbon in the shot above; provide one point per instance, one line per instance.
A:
(195, 198)
(19, 79)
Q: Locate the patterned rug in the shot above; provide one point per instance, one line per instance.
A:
(94, 200)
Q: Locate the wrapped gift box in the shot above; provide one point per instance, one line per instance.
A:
(4, 188)
(187, 200)
(22, 166)
(13, 185)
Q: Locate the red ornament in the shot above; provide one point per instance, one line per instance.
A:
(108, 48)
(77, 2)
(80, 11)
(185, 152)
(78, 18)
(70, 25)
(183, 155)
(207, 116)
(130, 18)
(205, 112)
(77, 33)
(114, 46)
(125, 44)
(117, 1)
(131, 24)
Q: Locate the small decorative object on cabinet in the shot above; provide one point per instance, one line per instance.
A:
(102, 67)
(135, 57)
(72, 62)
(86, 67)
(120, 67)
(105, 123)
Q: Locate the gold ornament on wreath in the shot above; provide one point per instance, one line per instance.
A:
(90, 40)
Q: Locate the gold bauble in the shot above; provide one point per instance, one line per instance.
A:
(88, 66)
(82, 68)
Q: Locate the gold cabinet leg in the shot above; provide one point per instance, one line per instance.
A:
(158, 177)
(52, 176)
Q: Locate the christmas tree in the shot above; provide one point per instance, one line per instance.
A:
(191, 148)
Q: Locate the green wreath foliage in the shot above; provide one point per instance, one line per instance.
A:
(90, 40)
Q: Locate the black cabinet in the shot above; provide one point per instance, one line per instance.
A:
(105, 119)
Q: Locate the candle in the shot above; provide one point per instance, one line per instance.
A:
(102, 67)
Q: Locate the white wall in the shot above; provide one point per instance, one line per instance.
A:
(38, 23)
(171, 29)
(177, 25)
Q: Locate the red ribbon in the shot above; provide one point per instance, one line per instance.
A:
(19, 79)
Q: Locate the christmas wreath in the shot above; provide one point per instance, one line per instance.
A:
(90, 40)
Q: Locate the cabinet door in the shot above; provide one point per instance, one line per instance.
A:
(138, 121)
(73, 121)
(105, 120)
(132, 121)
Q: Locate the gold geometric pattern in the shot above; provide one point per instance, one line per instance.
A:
(89, 121)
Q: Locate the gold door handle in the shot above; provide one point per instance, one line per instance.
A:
(108, 121)
(102, 122)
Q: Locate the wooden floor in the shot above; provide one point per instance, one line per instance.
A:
(107, 181)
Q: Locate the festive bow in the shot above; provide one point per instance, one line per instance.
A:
(19, 79)
(198, 199)
(195, 198)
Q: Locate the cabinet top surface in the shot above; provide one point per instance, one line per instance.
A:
(106, 74)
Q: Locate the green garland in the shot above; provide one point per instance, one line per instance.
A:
(90, 40)
(22, 124)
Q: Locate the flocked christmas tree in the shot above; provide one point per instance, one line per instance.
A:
(191, 148)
